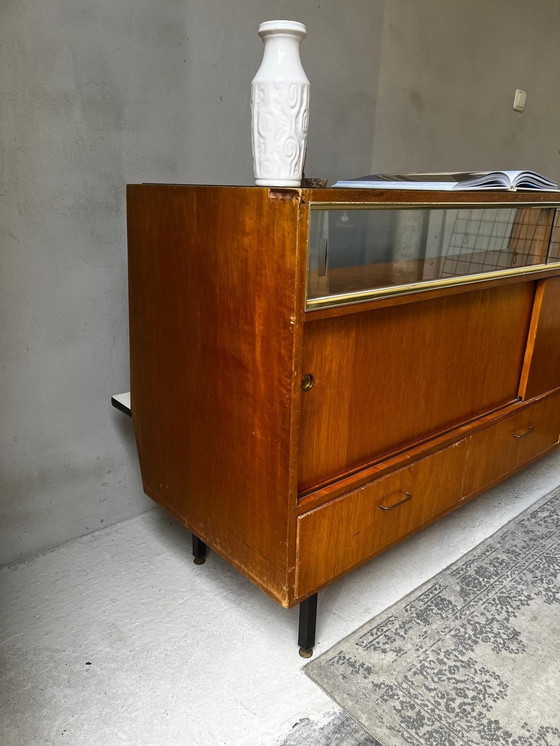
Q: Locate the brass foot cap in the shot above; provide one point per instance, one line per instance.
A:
(199, 560)
(306, 653)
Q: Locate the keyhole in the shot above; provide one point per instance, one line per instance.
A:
(307, 382)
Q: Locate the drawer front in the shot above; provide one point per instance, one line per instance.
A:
(335, 537)
(506, 446)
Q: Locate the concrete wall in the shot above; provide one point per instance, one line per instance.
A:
(448, 73)
(97, 95)
(101, 94)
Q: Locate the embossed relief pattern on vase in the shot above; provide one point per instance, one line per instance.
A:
(280, 112)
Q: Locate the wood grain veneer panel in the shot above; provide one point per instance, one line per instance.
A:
(387, 378)
(338, 536)
(504, 447)
(215, 291)
(429, 198)
(544, 341)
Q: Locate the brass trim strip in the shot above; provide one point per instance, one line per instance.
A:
(361, 296)
(430, 205)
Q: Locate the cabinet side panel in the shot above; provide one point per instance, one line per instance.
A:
(213, 291)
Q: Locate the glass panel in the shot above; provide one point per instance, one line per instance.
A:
(367, 249)
(554, 250)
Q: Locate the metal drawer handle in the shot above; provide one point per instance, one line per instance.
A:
(396, 505)
(522, 435)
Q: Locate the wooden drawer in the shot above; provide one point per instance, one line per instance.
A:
(506, 446)
(335, 537)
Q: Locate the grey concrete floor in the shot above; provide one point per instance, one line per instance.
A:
(118, 638)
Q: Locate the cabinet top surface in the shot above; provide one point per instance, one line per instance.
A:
(335, 196)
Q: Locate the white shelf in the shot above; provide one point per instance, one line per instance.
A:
(122, 403)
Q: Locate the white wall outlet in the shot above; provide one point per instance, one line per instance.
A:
(519, 100)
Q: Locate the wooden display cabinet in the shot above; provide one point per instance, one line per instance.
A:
(318, 373)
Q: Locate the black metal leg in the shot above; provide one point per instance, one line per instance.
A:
(307, 626)
(198, 550)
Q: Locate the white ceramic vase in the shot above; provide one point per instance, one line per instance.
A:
(280, 106)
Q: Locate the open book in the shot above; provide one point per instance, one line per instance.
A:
(496, 180)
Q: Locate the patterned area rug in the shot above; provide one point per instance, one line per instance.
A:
(470, 658)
